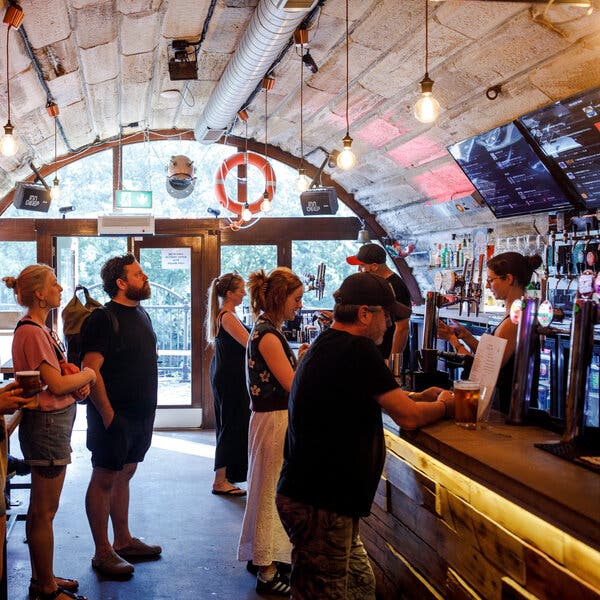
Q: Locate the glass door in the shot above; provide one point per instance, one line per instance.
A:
(172, 265)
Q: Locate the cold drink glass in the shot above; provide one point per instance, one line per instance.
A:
(466, 399)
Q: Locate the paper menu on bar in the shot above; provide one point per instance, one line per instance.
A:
(486, 367)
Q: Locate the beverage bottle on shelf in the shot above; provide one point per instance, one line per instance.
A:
(491, 241)
(438, 256)
(459, 259)
(433, 257)
(445, 257)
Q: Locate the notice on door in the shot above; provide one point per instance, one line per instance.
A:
(175, 258)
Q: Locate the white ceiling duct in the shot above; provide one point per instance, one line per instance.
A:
(268, 32)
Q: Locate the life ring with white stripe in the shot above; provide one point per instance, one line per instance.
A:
(235, 160)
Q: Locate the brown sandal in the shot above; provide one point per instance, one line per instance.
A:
(64, 582)
(57, 592)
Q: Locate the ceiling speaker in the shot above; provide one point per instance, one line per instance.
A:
(32, 196)
(319, 201)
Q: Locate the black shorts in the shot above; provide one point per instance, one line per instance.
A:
(125, 441)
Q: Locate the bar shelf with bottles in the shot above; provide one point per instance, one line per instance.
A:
(488, 513)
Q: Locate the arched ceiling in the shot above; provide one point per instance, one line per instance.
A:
(105, 64)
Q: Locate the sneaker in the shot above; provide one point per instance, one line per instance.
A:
(278, 586)
(137, 548)
(112, 564)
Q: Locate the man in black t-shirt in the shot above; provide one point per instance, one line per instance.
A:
(371, 259)
(119, 344)
(335, 450)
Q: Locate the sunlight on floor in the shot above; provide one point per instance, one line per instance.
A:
(183, 446)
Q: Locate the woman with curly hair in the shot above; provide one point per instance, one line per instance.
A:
(45, 430)
(274, 298)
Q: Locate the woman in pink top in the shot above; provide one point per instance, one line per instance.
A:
(45, 429)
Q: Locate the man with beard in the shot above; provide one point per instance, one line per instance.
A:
(119, 344)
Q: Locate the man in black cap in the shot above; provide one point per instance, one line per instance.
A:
(335, 450)
(371, 259)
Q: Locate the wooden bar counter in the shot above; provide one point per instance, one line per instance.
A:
(483, 514)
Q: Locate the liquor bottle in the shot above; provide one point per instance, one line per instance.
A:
(438, 256)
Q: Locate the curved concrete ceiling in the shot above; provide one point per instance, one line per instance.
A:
(105, 63)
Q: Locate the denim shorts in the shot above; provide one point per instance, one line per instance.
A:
(126, 440)
(45, 436)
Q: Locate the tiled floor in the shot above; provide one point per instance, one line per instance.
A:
(171, 505)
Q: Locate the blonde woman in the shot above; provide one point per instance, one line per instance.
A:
(45, 431)
(274, 298)
(228, 381)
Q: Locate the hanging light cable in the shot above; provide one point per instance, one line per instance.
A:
(13, 17)
(246, 212)
(266, 205)
(52, 109)
(302, 182)
(427, 108)
(346, 158)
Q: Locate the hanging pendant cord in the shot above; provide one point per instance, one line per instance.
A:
(301, 105)
(426, 36)
(266, 118)
(7, 79)
(347, 73)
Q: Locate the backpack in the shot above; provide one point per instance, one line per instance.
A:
(74, 315)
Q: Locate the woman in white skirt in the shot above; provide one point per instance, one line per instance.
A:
(274, 298)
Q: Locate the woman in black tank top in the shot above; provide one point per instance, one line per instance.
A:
(507, 277)
(228, 382)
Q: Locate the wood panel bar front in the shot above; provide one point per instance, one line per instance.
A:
(483, 514)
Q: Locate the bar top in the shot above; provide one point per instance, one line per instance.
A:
(504, 459)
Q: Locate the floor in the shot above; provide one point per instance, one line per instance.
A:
(171, 505)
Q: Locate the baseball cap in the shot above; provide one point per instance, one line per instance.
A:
(367, 255)
(372, 290)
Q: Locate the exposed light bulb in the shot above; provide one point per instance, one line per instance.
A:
(427, 108)
(246, 213)
(266, 205)
(8, 144)
(346, 158)
(302, 182)
(55, 191)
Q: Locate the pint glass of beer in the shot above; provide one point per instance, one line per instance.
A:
(466, 398)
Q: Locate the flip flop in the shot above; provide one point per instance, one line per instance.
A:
(234, 491)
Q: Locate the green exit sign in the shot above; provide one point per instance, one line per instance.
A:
(133, 199)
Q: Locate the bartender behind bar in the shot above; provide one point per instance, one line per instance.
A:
(507, 277)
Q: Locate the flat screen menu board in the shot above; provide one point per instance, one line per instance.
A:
(568, 134)
(508, 174)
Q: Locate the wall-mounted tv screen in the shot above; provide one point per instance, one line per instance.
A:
(568, 134)
(508, 174)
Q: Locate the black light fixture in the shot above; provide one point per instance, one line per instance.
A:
(183, 60)
(13, 17)
(310, 63)
(346, 158)
(427, 108)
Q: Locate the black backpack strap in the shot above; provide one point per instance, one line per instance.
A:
(59, 355)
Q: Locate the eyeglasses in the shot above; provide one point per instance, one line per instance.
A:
(490, 280)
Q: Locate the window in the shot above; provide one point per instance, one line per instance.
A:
(306, 256)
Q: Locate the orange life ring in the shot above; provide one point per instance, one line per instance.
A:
(235, 160)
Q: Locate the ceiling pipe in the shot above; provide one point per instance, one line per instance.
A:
(269, 30)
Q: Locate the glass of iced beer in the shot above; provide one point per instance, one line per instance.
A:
(466, 398)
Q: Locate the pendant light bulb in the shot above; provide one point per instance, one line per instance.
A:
(346, 158)
(266, 205)
(302, 182)
(427, 108)
(246, 213)
(55, 191)
(8, 144)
